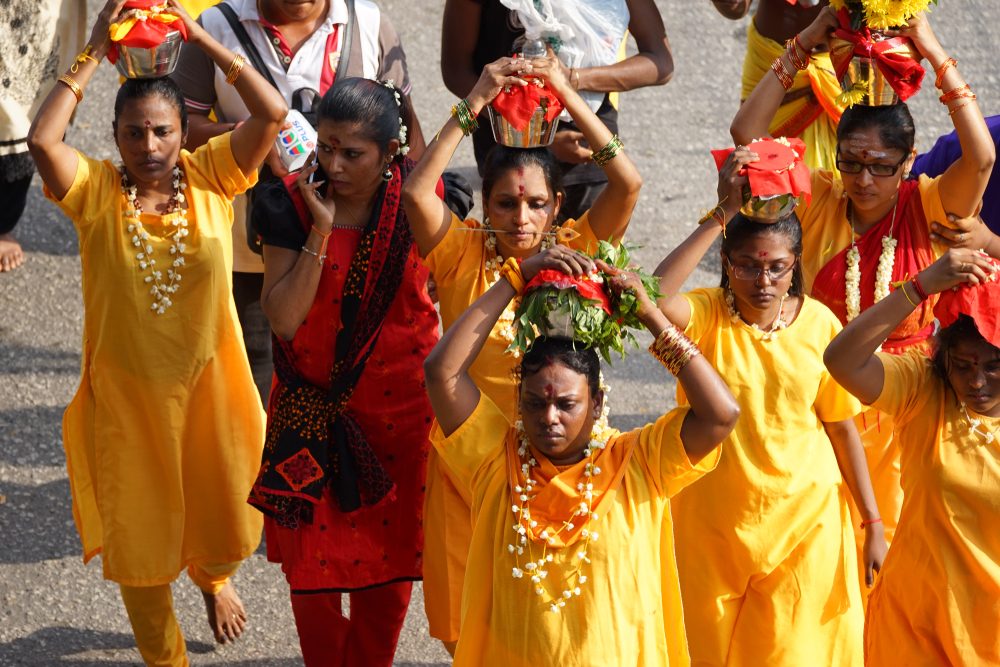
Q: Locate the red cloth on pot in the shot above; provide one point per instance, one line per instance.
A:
(588, 289)
(518, 106)
(150, 32)
(891, 56)
(780, 170)
(981, 303)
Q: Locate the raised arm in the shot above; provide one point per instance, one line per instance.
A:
(454, 395)
(754, 117)
(964, 182)
(678, 265)
(850, 357)
(429, 216)
(252, 140)
(714, 410)
(612, 210)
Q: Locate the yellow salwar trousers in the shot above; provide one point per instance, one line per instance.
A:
(151, 613)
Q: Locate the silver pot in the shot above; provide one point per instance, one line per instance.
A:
(559, 323)
(150, 63)
(538, 132)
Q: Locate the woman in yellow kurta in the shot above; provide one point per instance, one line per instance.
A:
(521, 198)
(764, 544)
(872, 200)
(571, 561)
(936, 599)
(164, 435)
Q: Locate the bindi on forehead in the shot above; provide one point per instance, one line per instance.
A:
(549, 391)
(334, 140)
(148, 124)
(762, 253)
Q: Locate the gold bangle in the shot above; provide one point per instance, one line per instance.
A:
(73, 85)
(784, 76)
(512, 272)
(673, 349)
(234, 70)
(906, 294)
(609, 152)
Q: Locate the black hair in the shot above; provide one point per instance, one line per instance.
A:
(964, 328)
(372, 106)
(547, 351)
(140, 89)
(894, 124)
(502, 159)
(741, 229)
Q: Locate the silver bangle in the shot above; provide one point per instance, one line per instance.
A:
(314, 254)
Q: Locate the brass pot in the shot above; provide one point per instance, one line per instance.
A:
(768, 210)
(538, 132)
(150, 63)
(864, 75)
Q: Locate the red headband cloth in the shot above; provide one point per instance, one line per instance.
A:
(588, 289)
(980, 302)
(780, 170)
(145, 31)
(517, 104)
(891, 55)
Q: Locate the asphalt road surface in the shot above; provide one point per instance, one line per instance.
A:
(55, 611)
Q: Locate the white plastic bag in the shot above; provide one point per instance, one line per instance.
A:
(589, 32)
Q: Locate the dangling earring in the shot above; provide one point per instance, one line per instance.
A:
(387, 174)
(906, 175)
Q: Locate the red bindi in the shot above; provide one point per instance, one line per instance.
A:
(334, 140)
(148, 123)
(548, 391)
(520, 190)
(762, 254)
(975, 358)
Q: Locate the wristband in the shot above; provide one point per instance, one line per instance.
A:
(868, 521)
(609, 152)
(234, 70)
(918, 288)
(73, 85)
(512, 272)
(940, 71)
(778, 67)
(907, 295)
(673, 349)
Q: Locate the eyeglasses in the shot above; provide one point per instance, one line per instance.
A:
(879, 170)
(753, 273)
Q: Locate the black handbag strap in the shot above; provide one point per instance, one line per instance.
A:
(248, 46)
(345, 49)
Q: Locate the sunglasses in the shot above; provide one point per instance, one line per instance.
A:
(879, 170)
(753, 273)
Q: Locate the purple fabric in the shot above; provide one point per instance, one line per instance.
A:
(946, 150)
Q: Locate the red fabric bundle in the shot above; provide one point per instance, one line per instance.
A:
(981, 303)
(891, 55)
(146, 32)
(780, 170)
(518, 104)
(588, 289)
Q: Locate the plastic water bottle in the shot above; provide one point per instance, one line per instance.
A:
(533, 48)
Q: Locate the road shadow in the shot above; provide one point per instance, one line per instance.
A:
(18, 359)
(42, 519)
(58, 645)
(43, 227)
(32, 437)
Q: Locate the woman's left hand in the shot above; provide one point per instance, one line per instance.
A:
(559, 258)
(874, 551)
(919, 30)
(553, 72)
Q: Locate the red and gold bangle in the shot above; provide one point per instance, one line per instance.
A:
(511, 270)
(957, 93)
(793, 45)
(918, 288)
(868, 521)
(956, 109)
(778, 66)
(73, 85)
(674, 349)
(940, 71)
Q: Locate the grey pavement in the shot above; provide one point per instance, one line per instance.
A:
(56, 611)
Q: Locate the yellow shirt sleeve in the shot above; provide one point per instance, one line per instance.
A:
(475, 443)
(664, 457)
(833, 402)
(457, 253)
(213, 167)
(587, 241)
(908, 385)
(827, 189)
(94, 187)
(930, 201)
(705, 312)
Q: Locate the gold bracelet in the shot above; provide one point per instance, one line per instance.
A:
(73, 85)
(674, 349)
(234, 70)
(906, 294)
(512, 272)
(609, 152)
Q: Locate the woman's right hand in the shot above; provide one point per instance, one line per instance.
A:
(820, 29)
(732, 182)
(99, 37)
(559, 258)
(322, 210)
(955, 267)
(494, 78)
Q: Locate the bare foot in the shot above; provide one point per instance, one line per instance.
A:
(226, 615)
(11, 255)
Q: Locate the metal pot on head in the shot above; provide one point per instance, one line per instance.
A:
(863, 75)
(538, 132)
(136, 63)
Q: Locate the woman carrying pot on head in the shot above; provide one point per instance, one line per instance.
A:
(567, 584)
(164, 435)
(935, 600)
(521, 198)
(765, 549)
(342, 476)
(869, 229)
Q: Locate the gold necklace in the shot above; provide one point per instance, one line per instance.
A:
(342, 201)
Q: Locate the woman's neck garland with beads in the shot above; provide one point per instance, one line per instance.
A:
(883, 275)
(140, 238)
(974, 425)
(776, 326)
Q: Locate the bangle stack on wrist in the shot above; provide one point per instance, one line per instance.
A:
(674, 349)
(234, 70)
(718, 214)
(957, 94)
(465, 117)
(918, 288)
(609, 152)
(793, 46)
(784, 76)
(939, 81)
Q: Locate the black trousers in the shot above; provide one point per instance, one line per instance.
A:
(247, 288)
(13, 198)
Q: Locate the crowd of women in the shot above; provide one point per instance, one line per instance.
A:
(824, 412)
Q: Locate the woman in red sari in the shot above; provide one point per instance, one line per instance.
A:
(871, 228)
(341, 482)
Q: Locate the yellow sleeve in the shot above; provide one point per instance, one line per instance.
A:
(475, 443)
(666, 460)
(94, 188)
(825, 191)
(213, 167)
(930, 201)
(908, 384)
(458, 252)
(704, 312)
(833, 402)
(587, 241)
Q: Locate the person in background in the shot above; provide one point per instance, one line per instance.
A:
(301, 44)
(164, 435)
(478, 32)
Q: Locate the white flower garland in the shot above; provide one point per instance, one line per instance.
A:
(883, 274)
(974, 425)
(505, 325)
(140, 239)
(535, 568)
(776, 326)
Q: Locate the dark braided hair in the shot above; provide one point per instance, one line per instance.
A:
(547, 351)
(370, 105)
(741, 229)
(139, 89)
